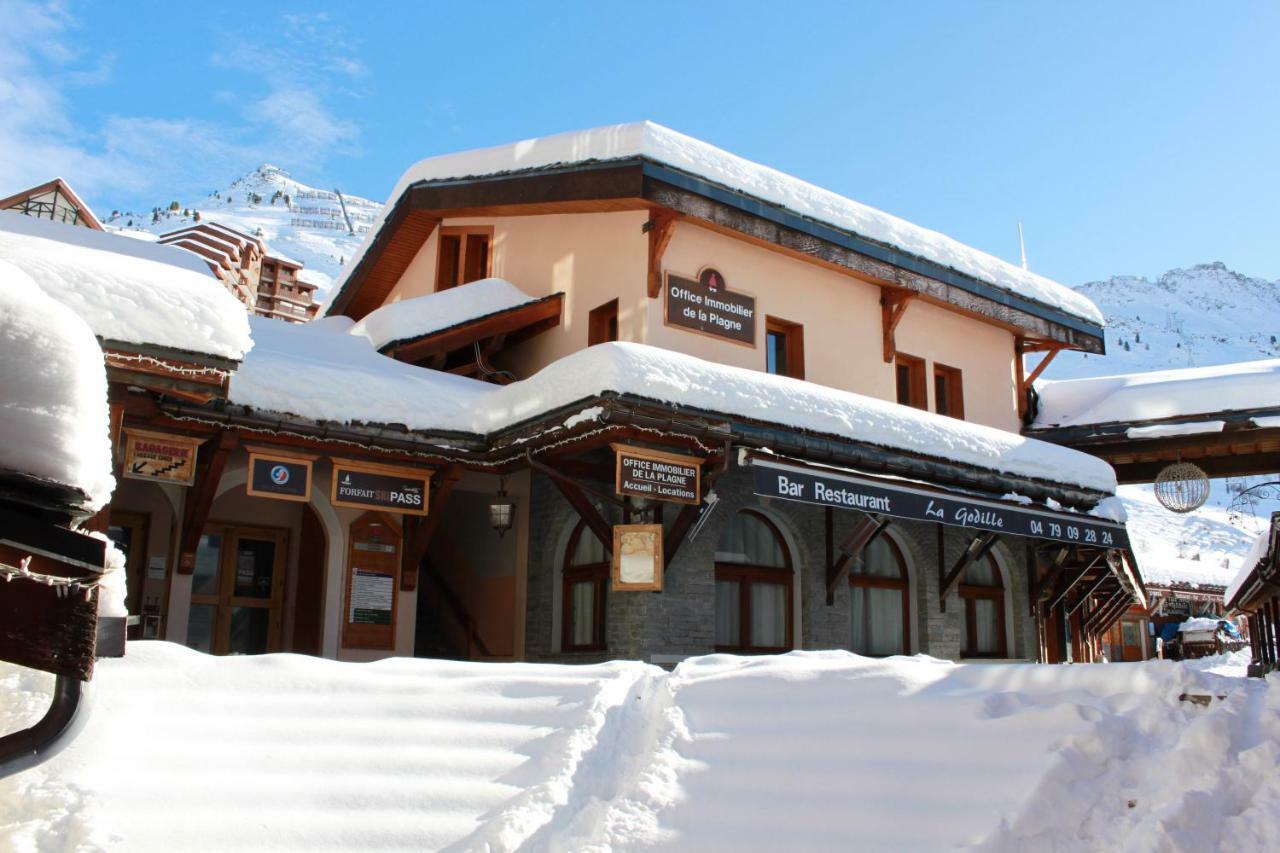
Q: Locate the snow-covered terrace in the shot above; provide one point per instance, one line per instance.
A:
(330, 371)
(654, 143)
(129, 292)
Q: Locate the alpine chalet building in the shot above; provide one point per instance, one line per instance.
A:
(622, 394)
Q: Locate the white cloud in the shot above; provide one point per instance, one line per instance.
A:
(130, 158)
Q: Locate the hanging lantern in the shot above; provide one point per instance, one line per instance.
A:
(1182, 487)
(502, 510)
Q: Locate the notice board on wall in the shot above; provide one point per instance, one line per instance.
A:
(372, 579)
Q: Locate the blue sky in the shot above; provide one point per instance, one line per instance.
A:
(1128, 137)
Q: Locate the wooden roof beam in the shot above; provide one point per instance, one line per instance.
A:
(660, 227)
(893, 304)
(210, 463)
(864, 532)
(978, 548)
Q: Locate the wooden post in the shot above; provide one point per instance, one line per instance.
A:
(587, 512)
(893, 304)
(200, 496)
(978, 548)
(660, 227)
(419, 534)
(864, 532)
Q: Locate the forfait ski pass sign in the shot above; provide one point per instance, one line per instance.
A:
(362, 486)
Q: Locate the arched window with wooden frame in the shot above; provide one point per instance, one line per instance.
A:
(880, 601)
(982, 594)
(754, 587)
(582, 603)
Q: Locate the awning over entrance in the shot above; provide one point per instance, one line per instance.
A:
(845, 489)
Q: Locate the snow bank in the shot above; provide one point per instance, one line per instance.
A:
(434, 312)
(1159, 394)
(128, 290)
(53, 391)
(809, 750)
(1195, 550)
(655, 142)
(318, 372)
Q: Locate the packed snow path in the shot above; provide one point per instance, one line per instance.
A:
(811, 750)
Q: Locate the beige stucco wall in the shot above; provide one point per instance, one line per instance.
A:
(593, 258)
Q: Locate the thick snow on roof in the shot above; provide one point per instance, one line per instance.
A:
(1256, 552)
(326, 372)
(319, 370)
(804, 751)
(655, 142)
(128, 290)
(1159, 394)
(434, 312)
(53, 391)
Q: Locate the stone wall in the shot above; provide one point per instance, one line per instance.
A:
(680, 621)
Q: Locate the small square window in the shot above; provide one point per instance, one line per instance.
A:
(784, 348)
(909, 374)
(948, 391)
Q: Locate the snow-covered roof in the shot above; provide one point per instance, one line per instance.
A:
(327, 371)
(129, 290)
(1256, 552)
(434, 312)
(53, 390)
(654, 142)
(1159, 395)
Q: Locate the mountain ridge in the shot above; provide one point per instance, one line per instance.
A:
(318, 227)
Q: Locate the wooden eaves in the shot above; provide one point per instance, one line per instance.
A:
(1241, 449)
(503, 328)
(674, 197)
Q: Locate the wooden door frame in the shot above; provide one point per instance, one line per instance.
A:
(223, 601)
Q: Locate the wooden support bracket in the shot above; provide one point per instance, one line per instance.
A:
(419, 533)
(1068, 583)
(210, 463)
(690, 513)
(587, 512)
(1040, 584)
(660, 227)
(864, 532)
(893, 304)
(1089, 593)
(1025, 381)
(978, 548)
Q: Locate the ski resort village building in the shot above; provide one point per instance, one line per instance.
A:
(609, 394)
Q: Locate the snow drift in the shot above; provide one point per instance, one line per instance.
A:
(809, 750)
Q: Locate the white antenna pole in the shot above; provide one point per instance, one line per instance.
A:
(1022, 244)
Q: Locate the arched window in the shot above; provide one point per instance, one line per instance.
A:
(586, 573)
(982, 593)
(880, 617)
(753, 587)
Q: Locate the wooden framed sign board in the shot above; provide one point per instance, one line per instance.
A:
(705, 305)
(367, 485)
(282, 476)
(373, 574)
(637, 558)
(160, 456)
(646, 473)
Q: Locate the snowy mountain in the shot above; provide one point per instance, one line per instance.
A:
(1195, 317)
(318, 227)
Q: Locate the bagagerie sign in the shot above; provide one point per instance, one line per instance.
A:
(706, 305)
(657, 474)
(793, 483)
(160, 456)
(363, 485)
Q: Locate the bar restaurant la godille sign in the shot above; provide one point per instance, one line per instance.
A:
(706, 305)
(843, 491)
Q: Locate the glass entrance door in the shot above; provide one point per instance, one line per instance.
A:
(236, 590)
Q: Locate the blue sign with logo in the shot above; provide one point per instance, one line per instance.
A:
(275, 477)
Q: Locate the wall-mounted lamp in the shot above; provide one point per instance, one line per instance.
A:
(502, 510)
